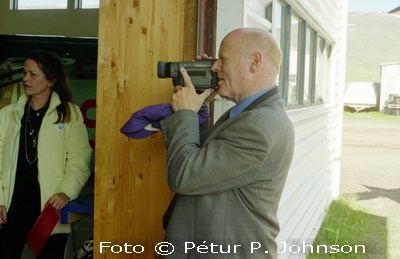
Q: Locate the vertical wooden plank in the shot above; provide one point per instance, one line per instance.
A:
(190, 30)
(131, 194)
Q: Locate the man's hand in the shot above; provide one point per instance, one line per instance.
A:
(204, 56)
(215, 93)
(185, 97)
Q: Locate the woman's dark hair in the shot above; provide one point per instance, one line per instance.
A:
(54, 70)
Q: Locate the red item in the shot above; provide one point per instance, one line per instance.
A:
(42, 229)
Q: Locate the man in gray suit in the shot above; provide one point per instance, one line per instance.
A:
(229, 179)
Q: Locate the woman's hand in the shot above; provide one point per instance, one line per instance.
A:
(3, 215)
(59, 200)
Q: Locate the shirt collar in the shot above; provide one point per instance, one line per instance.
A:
(243, 104)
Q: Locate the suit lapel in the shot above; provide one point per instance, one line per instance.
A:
(259, 100)
(221, 119)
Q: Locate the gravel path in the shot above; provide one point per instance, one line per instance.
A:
(371, 171)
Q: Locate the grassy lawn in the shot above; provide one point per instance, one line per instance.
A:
(349, 231)
(371, 115)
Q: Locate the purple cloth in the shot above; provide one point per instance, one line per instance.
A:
(146, 121)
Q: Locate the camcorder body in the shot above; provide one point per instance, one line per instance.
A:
(199, 72)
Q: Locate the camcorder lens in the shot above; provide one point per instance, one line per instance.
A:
(163, 69)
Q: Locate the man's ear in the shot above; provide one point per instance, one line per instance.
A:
(256, 61)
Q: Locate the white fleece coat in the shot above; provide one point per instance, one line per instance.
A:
(63, 153)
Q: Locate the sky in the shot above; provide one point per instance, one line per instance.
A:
(372, 5)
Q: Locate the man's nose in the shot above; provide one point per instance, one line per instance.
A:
(216, 66)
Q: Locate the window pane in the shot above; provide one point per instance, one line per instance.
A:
(42, 4)
(277, 23)
(306, 97)
(90, 4)
(277, 27)
(293, 95)
(321, 70)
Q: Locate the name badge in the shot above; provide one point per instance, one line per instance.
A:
(60, 127)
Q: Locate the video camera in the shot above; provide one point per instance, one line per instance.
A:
(199, 71)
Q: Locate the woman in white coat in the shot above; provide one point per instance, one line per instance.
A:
(44, 154)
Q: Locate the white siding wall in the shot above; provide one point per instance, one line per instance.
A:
(313, 180)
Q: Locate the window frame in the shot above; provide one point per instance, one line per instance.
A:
(304, 75)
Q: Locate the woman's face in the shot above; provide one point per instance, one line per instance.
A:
(36, 83)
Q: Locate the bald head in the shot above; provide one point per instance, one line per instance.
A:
(258, 40)
(248, 63)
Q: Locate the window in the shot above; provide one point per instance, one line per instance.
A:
(281, 22)
(88, 4)
(40, 4)
(293, 87)
(321, 66)
(304, 72)
(307, 67)
(276, 30)
(53, 4)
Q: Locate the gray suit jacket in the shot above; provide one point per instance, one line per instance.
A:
(228, 188)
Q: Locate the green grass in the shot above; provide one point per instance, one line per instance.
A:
(371, 115)
(348, 226)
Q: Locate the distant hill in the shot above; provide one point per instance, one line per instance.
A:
(372, 39)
